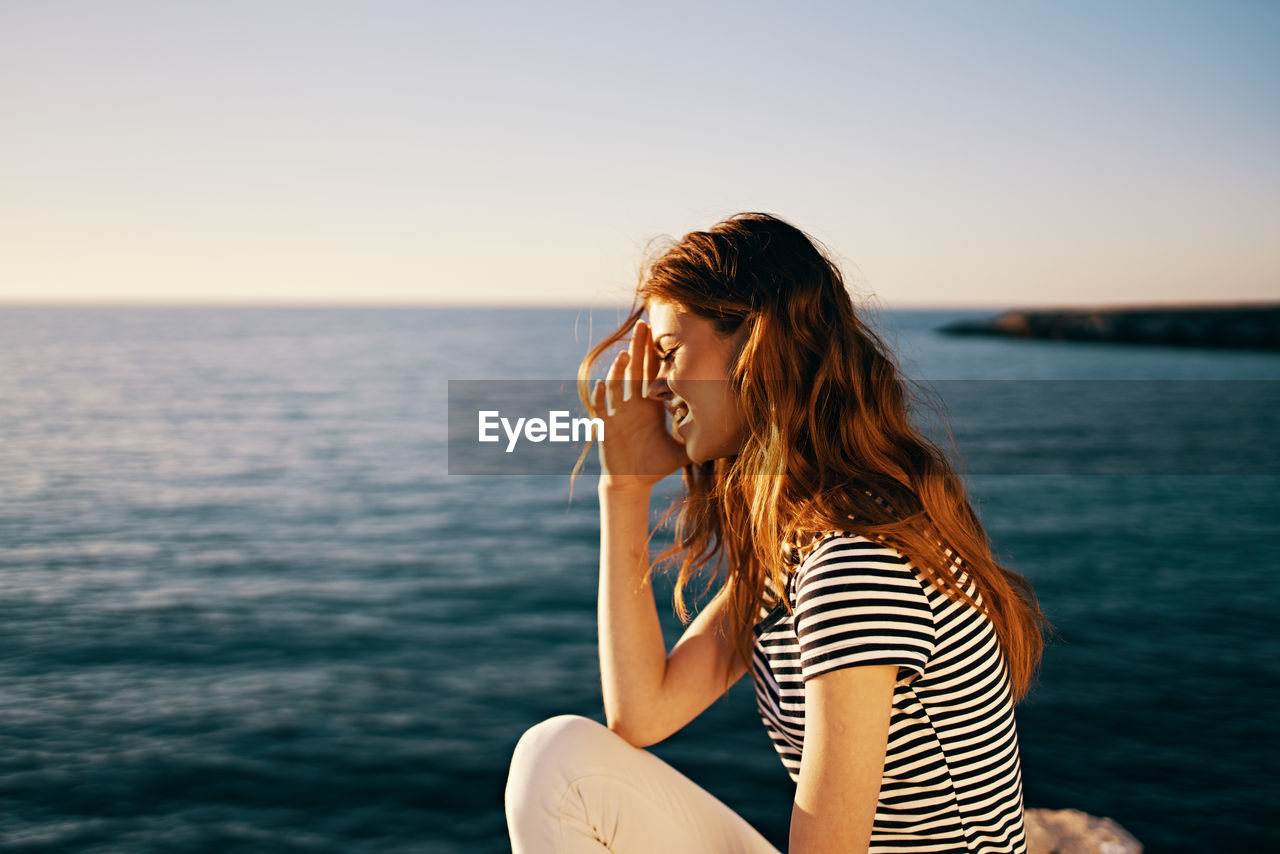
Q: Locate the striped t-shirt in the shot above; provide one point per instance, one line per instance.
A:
(952, 778)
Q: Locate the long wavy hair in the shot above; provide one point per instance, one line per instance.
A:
(830, 443)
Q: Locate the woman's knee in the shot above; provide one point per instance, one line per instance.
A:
(550, 756)
(564, 740)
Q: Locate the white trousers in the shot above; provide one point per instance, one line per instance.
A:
(576, 787)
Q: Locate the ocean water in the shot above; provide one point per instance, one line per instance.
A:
(244, 606)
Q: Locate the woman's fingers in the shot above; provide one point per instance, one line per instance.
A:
(598, 401)
(613, 382)
(629, 375)
(648, 358)
(635, 362)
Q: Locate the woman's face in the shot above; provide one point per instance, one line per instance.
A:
(693, 380)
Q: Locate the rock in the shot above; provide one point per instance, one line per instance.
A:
(1076, 832)
(1236, 326)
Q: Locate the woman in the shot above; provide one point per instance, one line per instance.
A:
(886, 644)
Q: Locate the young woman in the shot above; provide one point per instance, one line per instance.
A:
(857, 585)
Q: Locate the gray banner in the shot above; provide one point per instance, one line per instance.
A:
(1001, 427)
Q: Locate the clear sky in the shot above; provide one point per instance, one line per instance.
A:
(949, 153)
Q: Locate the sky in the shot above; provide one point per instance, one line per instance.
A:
(946, 154)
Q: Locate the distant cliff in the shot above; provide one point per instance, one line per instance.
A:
(1251, 326)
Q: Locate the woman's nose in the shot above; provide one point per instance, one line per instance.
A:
(659, 390)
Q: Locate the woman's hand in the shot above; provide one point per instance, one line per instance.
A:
(637, 449)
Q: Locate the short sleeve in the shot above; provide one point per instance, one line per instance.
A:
(859, 602)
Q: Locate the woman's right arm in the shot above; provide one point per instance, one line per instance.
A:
(649, 695)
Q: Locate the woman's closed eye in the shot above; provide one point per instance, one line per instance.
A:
(667, 356)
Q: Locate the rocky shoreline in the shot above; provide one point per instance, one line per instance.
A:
(1249, 326)
(1074, 832)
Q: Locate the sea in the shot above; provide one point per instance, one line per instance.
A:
(247, 605)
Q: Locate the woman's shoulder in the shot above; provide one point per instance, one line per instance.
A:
(848, 560)
(850, 546)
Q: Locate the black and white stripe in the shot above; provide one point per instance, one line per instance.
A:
(952, 778)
